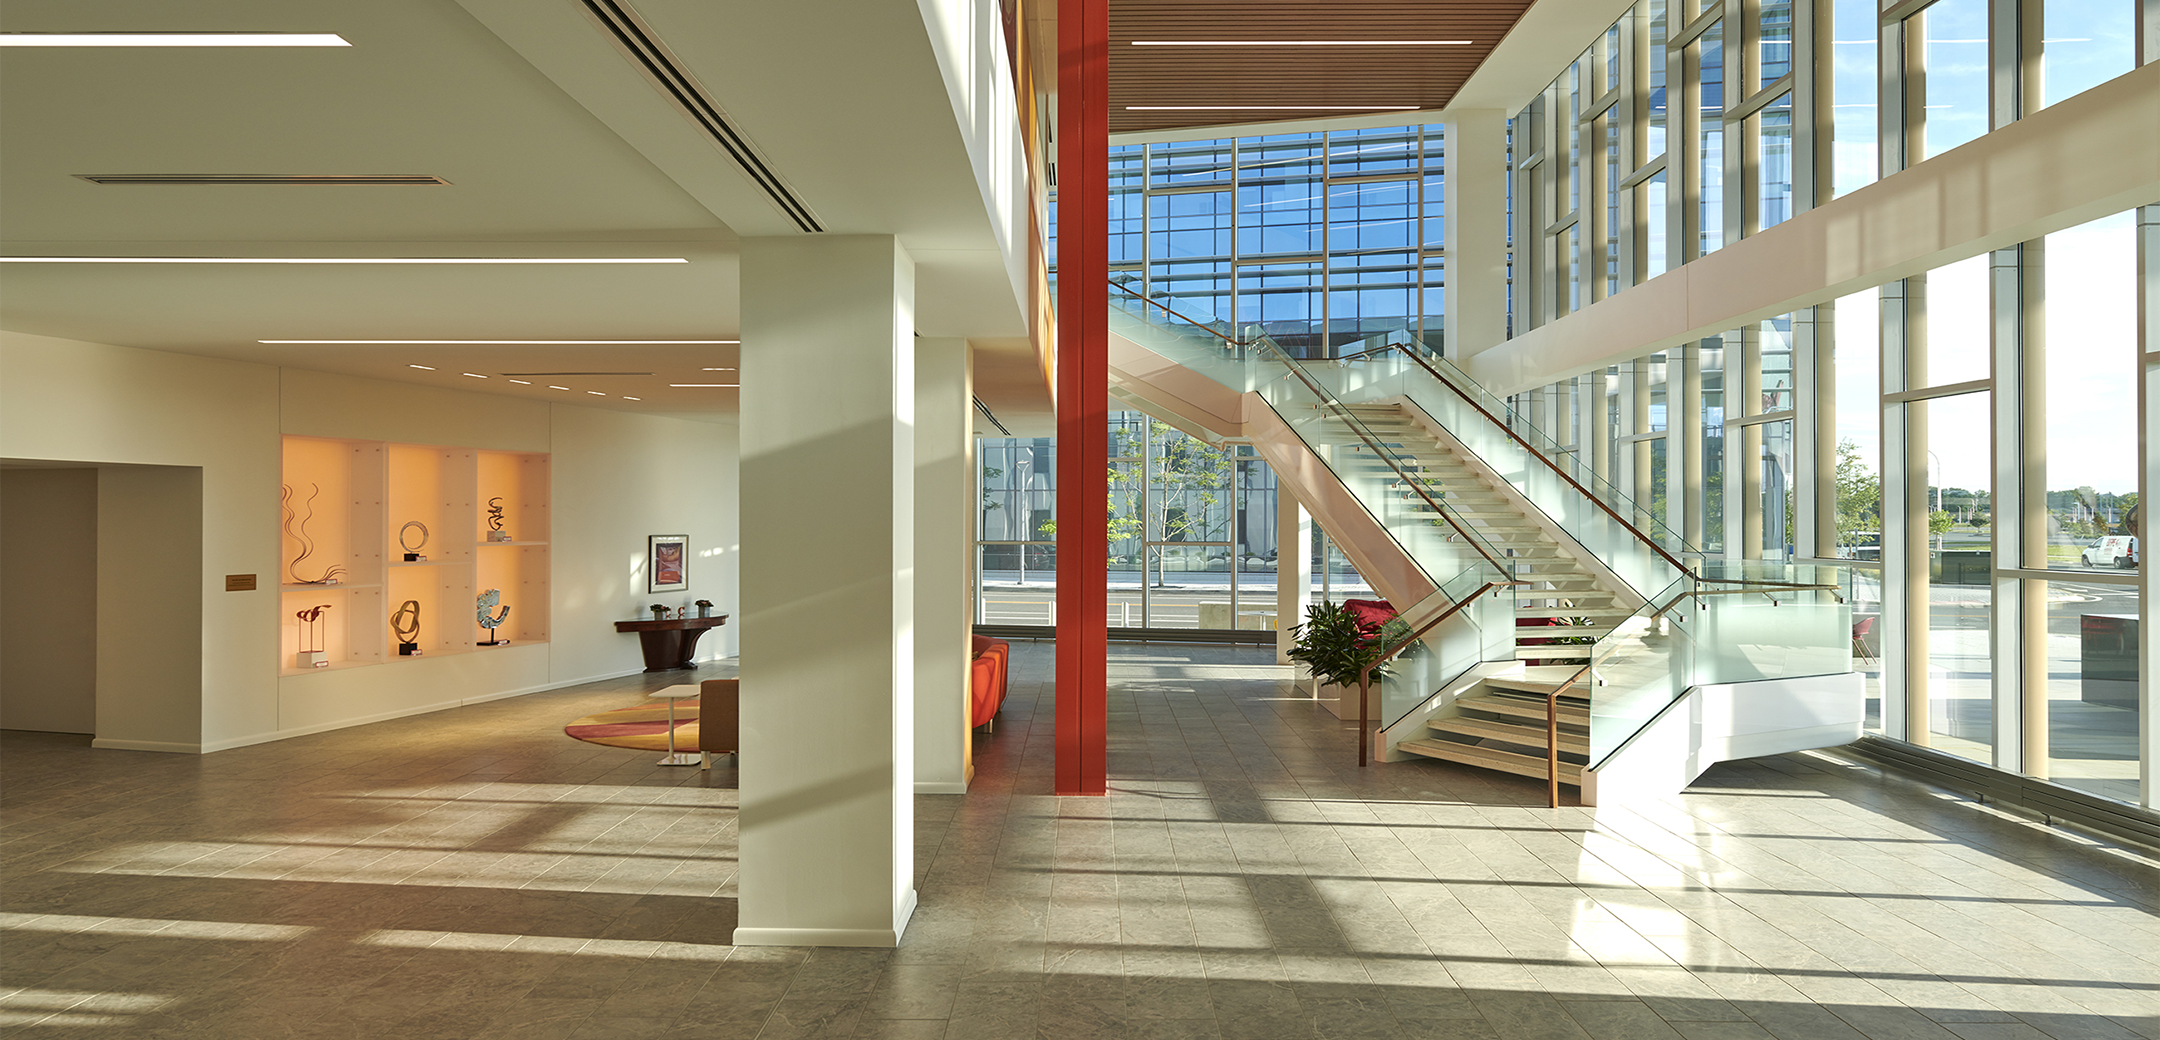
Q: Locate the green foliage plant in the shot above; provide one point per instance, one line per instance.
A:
(1335, 648)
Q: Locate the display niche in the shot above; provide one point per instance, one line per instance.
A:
(395, 553)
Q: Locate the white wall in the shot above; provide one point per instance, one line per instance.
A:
(636, 476)
(48, 600)
(616, 478)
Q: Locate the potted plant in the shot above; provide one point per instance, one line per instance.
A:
(1335, 646)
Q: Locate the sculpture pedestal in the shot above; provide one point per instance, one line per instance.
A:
(669, 643)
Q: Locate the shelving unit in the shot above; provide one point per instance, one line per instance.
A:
(332, 526)
(517, 483)
(364, 494)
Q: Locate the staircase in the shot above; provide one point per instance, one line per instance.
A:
(1531, 574)
(1563, 591)
(1502, 726)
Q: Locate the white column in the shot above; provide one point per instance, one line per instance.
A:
(944, 551)
(1293, 569)
(828, 545)
(1476, 238)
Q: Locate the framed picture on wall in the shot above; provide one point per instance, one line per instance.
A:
(667, 563)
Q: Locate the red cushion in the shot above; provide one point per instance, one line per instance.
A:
(1370, 613)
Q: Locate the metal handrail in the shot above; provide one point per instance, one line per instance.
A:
(1364, 675)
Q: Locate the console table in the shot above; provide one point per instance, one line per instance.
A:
(669, 643)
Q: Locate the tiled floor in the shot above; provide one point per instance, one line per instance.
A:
(476, 874)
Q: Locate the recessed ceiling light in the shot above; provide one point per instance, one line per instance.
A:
(1301, 43)
(1271, 108)
(703, 384)
(430, 368)
(596, 393)
(284, 179)
(716, 370)
(344, 260)
(627, 397)
(475, 375)
(558, 388)
(205, 39)
(522, 382)
(503, 342)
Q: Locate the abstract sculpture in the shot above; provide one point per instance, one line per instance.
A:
(490, 620)
(311, 648)
(406, 623)
(330, 575)
(412, 551)
(495, 521)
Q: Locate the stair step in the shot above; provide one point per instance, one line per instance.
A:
(1527, 736)
(1490, 758)
(1526, 697)
(1558, 652)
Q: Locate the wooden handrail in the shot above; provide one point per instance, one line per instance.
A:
(1356, 427)
(1189, 321)
(1364, 675)
(1541, 457)
(1381, 454)
(1552, 736)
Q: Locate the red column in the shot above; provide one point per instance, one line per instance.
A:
(1083, 383)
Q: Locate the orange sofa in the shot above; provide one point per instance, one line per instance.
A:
(986, 685)
(719, 719)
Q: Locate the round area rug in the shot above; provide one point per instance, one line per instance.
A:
(643, 727)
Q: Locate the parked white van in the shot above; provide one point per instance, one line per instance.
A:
(2117, 550)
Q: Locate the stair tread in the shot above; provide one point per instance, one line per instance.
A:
(1509, 694)
(1490, 758)
(1495, 729)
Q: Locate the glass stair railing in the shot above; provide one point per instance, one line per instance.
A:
(1695, 620)
(1418, 511)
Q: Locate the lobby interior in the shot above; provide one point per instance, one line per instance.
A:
(724, 274)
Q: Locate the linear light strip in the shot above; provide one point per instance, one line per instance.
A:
(262, 39)
(496, 342)
(343, 260)
(697, 385)
(1301, 43)
(1271, 108)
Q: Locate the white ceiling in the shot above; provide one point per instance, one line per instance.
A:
(553, 144)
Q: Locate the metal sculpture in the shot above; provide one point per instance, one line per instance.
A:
(311, 653)
(406, 623)
(489, 620)
(412, 552)
(495, 521)
(331, 574)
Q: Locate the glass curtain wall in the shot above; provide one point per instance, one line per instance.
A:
(1689, 125)
(1193, 538)
(1966, 442)
(1319, 239)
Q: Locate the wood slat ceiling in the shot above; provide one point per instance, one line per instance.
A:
(1292, 77)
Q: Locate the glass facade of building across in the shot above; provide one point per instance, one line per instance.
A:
(1967, 439)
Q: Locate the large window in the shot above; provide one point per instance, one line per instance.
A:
(1321, 239)
(1193, 536)
(1693, 123)
(2089, 508)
